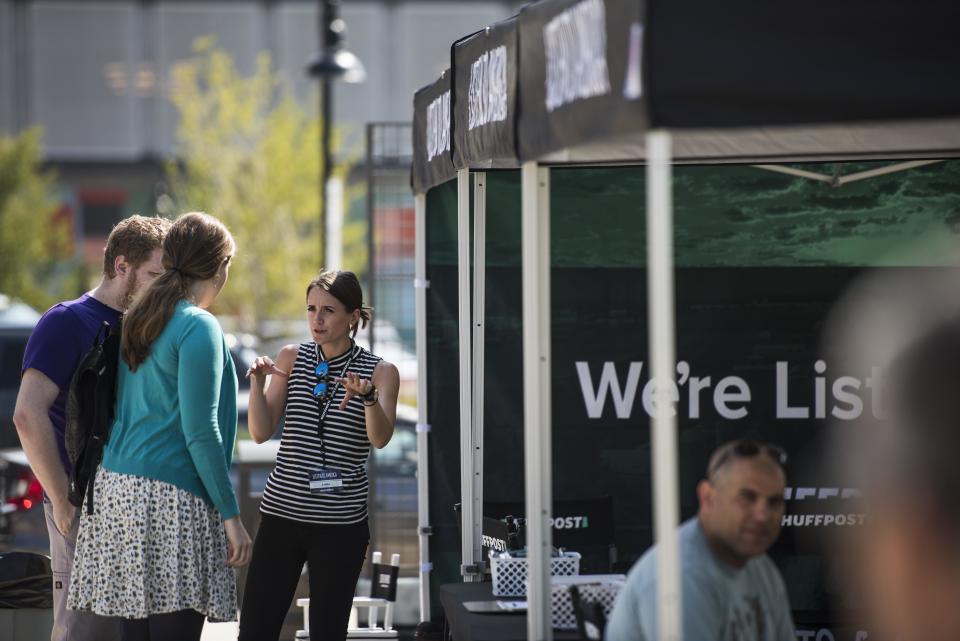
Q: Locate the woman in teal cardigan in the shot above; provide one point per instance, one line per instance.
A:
(160, 548)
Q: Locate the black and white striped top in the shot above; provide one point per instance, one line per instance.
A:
(287, 493)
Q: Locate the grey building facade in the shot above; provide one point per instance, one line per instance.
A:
(95, 76)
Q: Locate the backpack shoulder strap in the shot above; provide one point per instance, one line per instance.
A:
(102, 333)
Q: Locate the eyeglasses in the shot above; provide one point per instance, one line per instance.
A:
(323, 374)
(746, 448)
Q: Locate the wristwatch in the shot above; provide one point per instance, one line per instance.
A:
(370, 398)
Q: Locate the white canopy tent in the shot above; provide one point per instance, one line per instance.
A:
(613, 123)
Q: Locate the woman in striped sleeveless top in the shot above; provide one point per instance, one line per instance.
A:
(338, 399)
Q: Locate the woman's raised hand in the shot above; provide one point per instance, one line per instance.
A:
(353, 385)
(262, 367)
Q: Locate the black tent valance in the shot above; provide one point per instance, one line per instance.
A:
(749, 63)
(581, 73)
(432, 162)
(582, 81)
(485, 97)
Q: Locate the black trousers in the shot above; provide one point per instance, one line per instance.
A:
(183, 625)
(334, 556)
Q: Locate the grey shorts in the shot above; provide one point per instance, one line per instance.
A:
(70, 625)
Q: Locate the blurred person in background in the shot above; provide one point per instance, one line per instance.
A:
(131, 260)
(731, 590)
(904, 564)
(339, 399)
(160, 547)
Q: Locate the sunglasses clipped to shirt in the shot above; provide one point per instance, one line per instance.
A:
(322, 388)
(746, 448)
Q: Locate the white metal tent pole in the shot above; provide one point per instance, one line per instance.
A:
(470, 541)
(479, 305)
(660, 309)
(801, 173)
(423, 426)
(334, 222)
(883, 171)
(839, 181)
(537, 421)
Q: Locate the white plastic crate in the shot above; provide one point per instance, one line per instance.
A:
(602, 588)
(510, 573)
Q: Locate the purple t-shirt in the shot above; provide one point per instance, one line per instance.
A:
(61, 338)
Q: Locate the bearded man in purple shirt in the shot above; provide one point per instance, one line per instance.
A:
(61, 338)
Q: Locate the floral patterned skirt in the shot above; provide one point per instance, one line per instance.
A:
(151, 548)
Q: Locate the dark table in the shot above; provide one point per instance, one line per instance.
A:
(470, 626)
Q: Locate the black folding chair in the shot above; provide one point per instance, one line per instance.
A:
(590, 617)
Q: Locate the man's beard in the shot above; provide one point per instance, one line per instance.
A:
(127, 299)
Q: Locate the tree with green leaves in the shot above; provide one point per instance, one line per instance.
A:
(37, 264)
(248, 154)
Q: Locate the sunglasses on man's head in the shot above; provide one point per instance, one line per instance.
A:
(745, 448)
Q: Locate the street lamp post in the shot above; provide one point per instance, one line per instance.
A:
(333, 62)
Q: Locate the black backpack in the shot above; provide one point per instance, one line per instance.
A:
(90, 404)
(25, 581)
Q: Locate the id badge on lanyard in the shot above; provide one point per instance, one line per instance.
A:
(325, 480)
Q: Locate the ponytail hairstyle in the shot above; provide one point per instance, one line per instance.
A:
(345, 287)
(194, 249)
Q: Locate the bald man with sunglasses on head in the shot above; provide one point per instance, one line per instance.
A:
(731, 590)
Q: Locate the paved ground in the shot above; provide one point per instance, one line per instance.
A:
(219, 632)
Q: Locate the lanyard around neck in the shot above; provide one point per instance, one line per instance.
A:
(326, 406)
